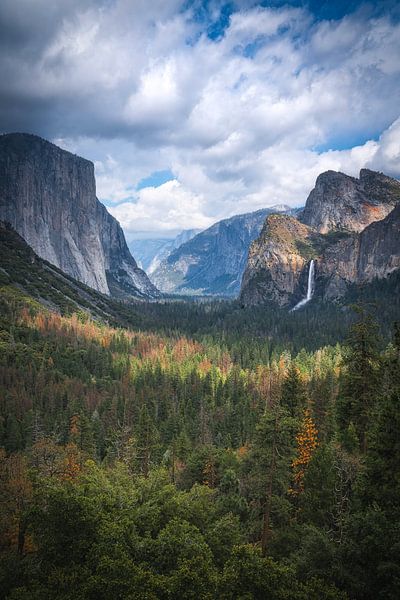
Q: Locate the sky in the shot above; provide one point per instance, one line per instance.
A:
(193, 111)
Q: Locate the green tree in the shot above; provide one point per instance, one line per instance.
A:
(146, 440)
(360, 382)
(294, 392)
(269, 471)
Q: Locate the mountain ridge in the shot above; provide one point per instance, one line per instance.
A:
(340, 201)
(345, 250)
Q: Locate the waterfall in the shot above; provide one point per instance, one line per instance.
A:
(310, 287)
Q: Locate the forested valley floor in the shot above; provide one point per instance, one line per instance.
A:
(186, 456)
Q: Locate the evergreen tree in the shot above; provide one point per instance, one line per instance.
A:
(269, 468)
(146, 440)
(12, 434)
(294, 393)
(360, 383)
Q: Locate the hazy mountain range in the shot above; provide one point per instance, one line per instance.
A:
(149, 253)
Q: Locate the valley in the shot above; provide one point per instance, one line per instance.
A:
(199, 300)
(218, 437)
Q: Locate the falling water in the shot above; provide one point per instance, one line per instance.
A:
(310, 287)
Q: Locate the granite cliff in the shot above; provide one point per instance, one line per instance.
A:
(48, 196)
(341, 202)
(360, 258)
(349, 227)
(277, 260)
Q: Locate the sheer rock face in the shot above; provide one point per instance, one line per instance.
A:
(213, 261)
(341, 202)
(276, 261)
(48, 195)
(374, 253)
(345, 251)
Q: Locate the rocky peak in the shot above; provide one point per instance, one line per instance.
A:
(379, 188)
(349, 240)
(283, 229)
(341, 202)
(48, 195)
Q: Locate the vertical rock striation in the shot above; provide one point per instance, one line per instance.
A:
(360, 258)
(48, 195)
(277, 262)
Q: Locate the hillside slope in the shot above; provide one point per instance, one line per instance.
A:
(22, 270)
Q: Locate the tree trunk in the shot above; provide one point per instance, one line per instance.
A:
(266, 532)
(22, 526)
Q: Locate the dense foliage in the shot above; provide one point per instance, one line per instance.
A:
(154, 464)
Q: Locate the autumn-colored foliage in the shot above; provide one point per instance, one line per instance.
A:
(209, 472)
(124, 449)
(72, 463)
(307, 442)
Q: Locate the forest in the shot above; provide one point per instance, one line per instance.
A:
(186, 455)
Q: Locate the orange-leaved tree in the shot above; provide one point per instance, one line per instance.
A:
(307, 442)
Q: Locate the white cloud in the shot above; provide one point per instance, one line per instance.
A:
(180, 209)
(279, 174)
(139, 87)
(387, 152)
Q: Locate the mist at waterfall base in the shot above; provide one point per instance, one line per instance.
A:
(310, 288)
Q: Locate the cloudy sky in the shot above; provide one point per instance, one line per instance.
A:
(193, 111)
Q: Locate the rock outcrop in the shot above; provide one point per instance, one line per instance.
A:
(341, 202)
(212, 263)
(276, 266)
(360, 258)
(48, 195)
(345, 250)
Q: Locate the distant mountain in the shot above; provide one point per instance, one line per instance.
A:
(349, 228)
(48, 195)
(213, 261)
(151, 252)
(145, 250)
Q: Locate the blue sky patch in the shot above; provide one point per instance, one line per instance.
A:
(155, 179)
(346, 142)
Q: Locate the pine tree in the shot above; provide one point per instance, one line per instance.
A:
(294, 393)
(146, 435)
(382, 473)
(359, 389)
(269, 465)
(12, 435)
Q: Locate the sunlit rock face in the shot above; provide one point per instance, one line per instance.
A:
(341, 202)
(277, 260)
(374, 253)
(351, 241)
(48, 195)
